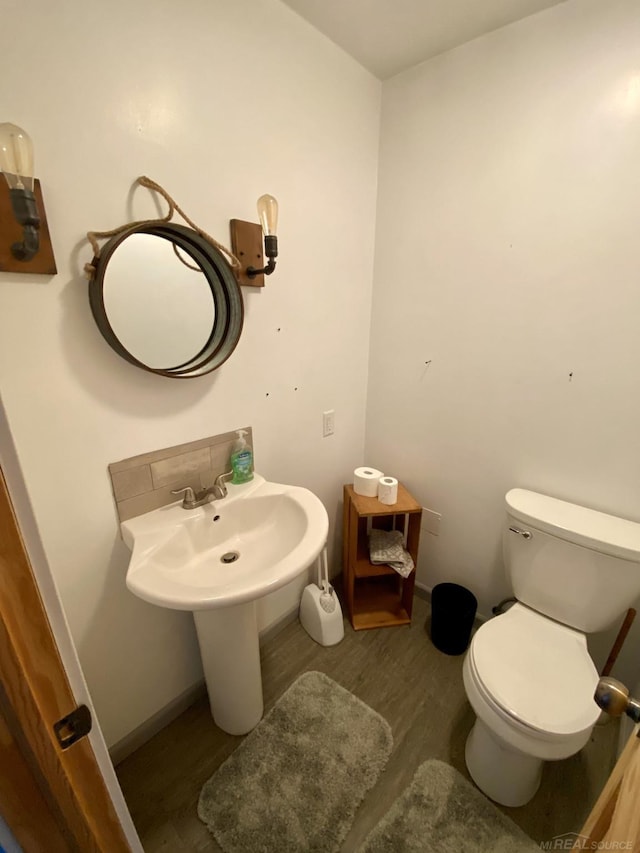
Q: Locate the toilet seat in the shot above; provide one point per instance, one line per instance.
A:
(535, 673)
(504, 718)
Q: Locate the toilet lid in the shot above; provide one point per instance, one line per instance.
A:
(537, 670)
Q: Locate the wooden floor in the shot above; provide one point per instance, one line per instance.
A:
(399, 673)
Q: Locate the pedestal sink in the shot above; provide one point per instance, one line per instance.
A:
(216, 561)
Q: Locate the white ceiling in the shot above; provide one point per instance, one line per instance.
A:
(387, 36)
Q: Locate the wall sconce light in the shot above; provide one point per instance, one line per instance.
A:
(246, 243)
(25, 244)
(16, 162)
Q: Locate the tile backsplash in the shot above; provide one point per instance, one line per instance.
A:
(144, 482)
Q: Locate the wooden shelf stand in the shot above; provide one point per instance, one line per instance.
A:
(377, 596)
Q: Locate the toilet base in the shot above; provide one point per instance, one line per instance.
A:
(505, 776)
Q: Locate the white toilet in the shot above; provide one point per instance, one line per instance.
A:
(528, 674)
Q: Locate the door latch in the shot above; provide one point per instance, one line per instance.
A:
(73, 727)
(613, 697)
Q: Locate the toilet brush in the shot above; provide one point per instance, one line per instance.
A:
(328, 595)
(320, 611)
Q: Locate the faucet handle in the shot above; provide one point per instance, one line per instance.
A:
(189, 494)
(221, 482)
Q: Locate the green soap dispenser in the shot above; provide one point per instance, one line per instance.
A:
(241, 460)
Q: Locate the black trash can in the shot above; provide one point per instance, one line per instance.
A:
(453, 609)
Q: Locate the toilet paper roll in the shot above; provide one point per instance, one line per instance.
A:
(388, 490)
(365, 481)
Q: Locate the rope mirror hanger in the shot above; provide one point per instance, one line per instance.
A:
(94, 236)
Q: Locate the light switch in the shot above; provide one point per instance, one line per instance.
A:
(328, 423)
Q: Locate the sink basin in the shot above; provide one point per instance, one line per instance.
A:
(216, 561)
(242, 547)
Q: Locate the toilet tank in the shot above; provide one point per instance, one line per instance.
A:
(576, 565)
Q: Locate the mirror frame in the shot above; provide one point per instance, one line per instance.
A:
(225, 291)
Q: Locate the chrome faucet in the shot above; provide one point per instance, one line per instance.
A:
(192, 500)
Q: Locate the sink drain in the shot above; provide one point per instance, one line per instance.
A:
(230, 557)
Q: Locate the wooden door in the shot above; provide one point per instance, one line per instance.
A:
(614, 822)
(52, 799)
(38, 828)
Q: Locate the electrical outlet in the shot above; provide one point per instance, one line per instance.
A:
(431, 521)
(328, 423)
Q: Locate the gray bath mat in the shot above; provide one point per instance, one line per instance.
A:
(294, 784)
(441, 812)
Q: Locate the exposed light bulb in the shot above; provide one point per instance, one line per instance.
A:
(268, 214)
(16, 157)
(16, 162)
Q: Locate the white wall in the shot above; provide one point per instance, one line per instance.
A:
(508, 257)
(219, 101)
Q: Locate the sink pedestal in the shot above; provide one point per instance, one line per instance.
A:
(228, 639)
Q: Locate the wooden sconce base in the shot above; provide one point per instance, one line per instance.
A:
(246, 245)
(44, 262)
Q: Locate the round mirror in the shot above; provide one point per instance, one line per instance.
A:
(161, 309)
(166, 300)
